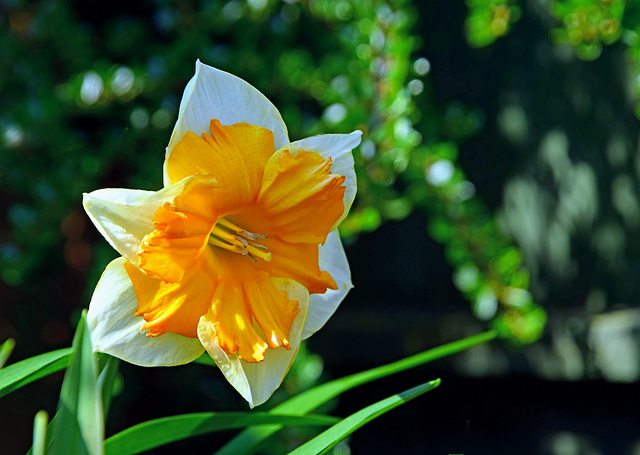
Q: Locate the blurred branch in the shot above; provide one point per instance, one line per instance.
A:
(100, 117)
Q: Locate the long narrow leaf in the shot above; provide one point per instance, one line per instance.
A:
(26, 371)
(40, 433)
(247, 441)
(106, 380)
(155, 433)
(5, 351)
(79, 423)
(330, 437)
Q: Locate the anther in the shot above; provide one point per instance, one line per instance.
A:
(232, 238)
(241, 240)
(251, 235)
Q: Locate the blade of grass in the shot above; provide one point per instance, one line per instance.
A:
(5, 351)
(26, 371)
(79, 422)
(330, 437)
(158, 432)
(40, 433)
(247, 441)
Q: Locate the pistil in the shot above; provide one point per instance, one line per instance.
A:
(233, 238)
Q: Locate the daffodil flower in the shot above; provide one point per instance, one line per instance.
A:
(238, 255)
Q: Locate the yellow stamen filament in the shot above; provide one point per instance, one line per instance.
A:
(232, 238)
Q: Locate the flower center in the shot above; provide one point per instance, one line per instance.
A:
(233, 238)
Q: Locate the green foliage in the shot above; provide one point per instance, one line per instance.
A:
(326, 440)
(104, 113)
(489, 20)
(158, 432)
(107, 380)
(587, 25)
(249, 440)
(5, 351)
(396, 173)
(488, 269)
(22, 373)
(78, 426)
(40, 433)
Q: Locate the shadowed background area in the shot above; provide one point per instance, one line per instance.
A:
(497, 188)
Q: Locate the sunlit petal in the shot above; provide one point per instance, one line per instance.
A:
(215, 94)
(256, 382)
(322, 306)
(298, 261)
(124, 216)
(337, 147)
(231, 319)
(300, 199)
(248, 313)
(181, 230)
(272, 310)
(115, 329)
(235, 155)
(173, 307)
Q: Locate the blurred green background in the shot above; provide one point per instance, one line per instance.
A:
(497, 188)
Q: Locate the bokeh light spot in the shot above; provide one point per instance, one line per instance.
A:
(92, 88)
(122, 81)
(440, 172)
(335, 113)
(415, 86)
(422, 66)
(139, 118)
(13, 136)
(161, 118)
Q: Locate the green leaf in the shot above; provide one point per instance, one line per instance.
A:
(329, 438)
(154, 433)
(26, 371)
(78, 426)
(106, 380)
(40, 433)
(5, 351)
(205, 359)
(248, 440)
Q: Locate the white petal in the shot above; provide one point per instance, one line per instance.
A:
(322, 306)
(125, 216)
(256, 382)
(215, 94)
(116, 330)
(338, 147)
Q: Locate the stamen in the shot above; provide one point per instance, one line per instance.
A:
(229, 225)
(217, 242)
(241, 240)
(252, 250)
(232, 238)
(251, 235)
